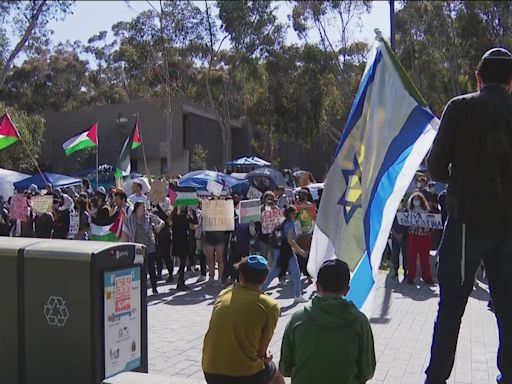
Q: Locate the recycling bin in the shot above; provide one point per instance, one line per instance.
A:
(11, 286)
(85, 311)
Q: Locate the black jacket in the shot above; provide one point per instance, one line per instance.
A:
(473, 153)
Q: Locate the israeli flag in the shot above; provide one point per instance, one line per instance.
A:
(387, 135)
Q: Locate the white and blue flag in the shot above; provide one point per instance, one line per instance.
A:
(387, 135)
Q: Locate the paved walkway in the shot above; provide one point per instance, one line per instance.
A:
(402, 319)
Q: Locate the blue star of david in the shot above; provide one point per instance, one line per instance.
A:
(350, 207)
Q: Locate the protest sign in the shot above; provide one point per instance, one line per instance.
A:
(306, 216)
(420, 220)
(42, 204)
(158, 192)
(183, 196)
(250, 211)
(18, 208)
(254, 193)
(214, 188)
(271, 219)
(74, 224)
(218, 215)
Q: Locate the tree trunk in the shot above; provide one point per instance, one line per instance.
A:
(17, 49)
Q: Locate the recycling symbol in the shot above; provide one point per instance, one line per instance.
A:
(55, 311)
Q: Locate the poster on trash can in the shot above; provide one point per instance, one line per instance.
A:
(122, 322)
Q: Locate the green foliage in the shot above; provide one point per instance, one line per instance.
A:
(441, 42)
(198, 158)
(31, 128)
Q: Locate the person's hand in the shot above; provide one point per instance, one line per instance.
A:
(268, 357)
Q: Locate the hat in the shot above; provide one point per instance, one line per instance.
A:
(102, 190)
(257, 262)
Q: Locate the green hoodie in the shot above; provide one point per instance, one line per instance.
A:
(329, 341)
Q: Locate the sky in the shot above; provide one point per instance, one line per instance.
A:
(91, 17)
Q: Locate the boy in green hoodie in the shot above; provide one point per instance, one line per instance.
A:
(329, 341)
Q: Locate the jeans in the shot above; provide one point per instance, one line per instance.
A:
(293, 269)
(494, 248)
(396, 248)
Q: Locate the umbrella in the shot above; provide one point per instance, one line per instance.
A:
(274, 179)
(53, 178)
(127, 185)
(199, 180)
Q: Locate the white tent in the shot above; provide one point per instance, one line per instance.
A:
(7, 180)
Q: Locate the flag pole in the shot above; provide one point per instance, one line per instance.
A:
(33, 159)
(143, 151)
(97, 157)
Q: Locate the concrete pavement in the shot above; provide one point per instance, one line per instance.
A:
(402, 319)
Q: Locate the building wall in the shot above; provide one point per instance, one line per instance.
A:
(168, 140)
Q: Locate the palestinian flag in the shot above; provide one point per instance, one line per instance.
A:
(8, 132)
(85, 139)
(183, 196)
(137, 141)
(124, 167)
(109, 232)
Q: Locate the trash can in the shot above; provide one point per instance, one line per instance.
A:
(85, 311)
(11, 285)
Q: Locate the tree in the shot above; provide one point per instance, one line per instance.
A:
(31, 128)
(425, 30)
(30, 17)
(198, 158)
(319, 17)
(252, 29)
(58, 81)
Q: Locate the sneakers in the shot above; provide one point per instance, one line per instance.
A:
(216, 283)
(155, 291)
(210, 282)
(200, 279)
(300, 300)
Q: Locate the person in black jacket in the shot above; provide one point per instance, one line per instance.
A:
(474, 148)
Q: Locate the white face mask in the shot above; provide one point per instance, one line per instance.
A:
(416, 203)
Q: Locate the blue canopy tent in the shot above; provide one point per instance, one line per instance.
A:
(106, 176)
(199, 180)
(265, 179)
(249, 161)
(53, 178)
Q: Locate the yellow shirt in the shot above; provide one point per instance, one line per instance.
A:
(241, 318)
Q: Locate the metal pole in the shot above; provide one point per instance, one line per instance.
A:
(391, 23)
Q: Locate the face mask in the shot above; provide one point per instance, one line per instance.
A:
(418, 185)
(416, 203)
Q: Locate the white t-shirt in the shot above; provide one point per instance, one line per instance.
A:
(135, 199)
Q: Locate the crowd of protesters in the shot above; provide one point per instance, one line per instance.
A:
(173, 236)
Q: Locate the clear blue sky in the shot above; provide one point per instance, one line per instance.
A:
(91, 17)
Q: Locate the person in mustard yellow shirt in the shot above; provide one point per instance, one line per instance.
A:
(243, 321)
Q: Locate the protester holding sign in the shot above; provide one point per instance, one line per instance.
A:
(271, 218)
(419, 242)
(289, 251)
(218, 216)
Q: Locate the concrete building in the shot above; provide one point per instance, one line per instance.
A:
(168, 138)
